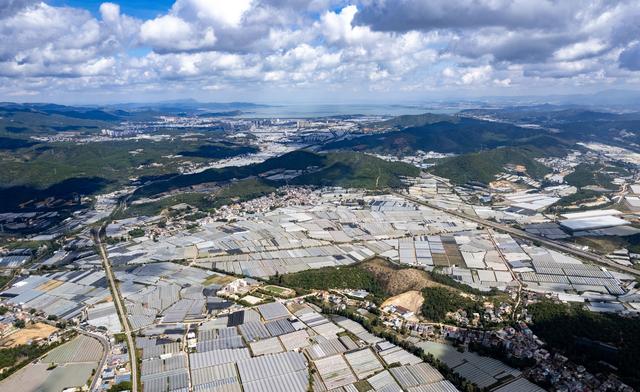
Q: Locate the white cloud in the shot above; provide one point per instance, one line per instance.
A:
(324, 46)
(110, 12)
(40, 40)
(170, 33)
(476, 75)
(338, 26)
(223, 13)
(579, 50)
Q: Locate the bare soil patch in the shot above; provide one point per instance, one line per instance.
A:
(398, 280)
(31, 332)
(411, 300)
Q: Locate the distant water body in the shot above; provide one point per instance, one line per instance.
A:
(307, 111)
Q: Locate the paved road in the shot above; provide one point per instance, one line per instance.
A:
(121, 312)
(556, 245)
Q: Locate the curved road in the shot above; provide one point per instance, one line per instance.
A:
(556, 245)
(121, 310)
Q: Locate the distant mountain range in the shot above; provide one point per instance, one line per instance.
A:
(613, 99)
(488, 139)
(186, 105)
(131, 111)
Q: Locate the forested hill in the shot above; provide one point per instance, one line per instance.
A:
(454, 135)
(347, 169)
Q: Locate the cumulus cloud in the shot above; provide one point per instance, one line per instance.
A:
(239, 25)
(170, 33)
(337, 26)
(219, 12)
(321, 45)
(40, 40)
(121, 28)
(468, 76)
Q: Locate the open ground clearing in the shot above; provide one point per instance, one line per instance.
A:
(30, 333)
(411, 300)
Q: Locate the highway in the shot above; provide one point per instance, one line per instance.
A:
(121, 310)
(555, 245)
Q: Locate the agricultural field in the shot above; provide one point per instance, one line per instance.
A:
(37, 377)
(80, 349)
(69, 365)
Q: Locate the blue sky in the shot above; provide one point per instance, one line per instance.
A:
(314, 51)
(142, 9)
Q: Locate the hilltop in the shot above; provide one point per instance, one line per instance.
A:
(419, 120)
(484, 165)
(377, 276)
(571, 123)
(457, 135)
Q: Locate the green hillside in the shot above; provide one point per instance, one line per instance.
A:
(346, 277)
(483, 166)
(238, 191)
(439, 301)
(22, 121)
(573, 124)
(453, 135)
(296, 160)
(242, 190)
(588, 337)
(358, 171)
(419, 120)
(34, 170)
(45, 164)
(200, 201)
(595, 174)
(347, 169)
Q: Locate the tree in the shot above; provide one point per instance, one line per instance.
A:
(136, 233)
(19, 324)
(121, 386)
